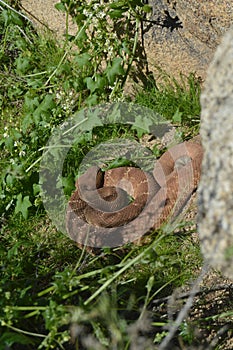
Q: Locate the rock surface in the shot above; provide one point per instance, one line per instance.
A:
(44, 14)
(215, 203)
(181, 36)
(185, 33)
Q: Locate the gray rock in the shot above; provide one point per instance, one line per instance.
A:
(181, 37)
(185, 33)
(215, 194)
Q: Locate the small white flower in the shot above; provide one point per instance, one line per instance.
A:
(58, 96)
(16, 143)
(95, 7)
(5, 135)
(87, 13)
(101, 14)
(22, 153)
(95, 22)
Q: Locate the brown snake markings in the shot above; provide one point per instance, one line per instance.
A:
(100, 214)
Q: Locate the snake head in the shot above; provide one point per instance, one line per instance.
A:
(92, 179)
(182, 161)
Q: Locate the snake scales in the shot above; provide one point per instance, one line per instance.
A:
(101, 211)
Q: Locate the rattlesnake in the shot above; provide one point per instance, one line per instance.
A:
(100, 212)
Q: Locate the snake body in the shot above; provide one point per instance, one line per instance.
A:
(119, 205)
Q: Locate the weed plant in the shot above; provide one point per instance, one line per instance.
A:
(54, 295)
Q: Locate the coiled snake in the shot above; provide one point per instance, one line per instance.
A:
(101, 211)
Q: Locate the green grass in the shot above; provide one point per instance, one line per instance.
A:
(47, 285)
(54, 295)
(177, 99)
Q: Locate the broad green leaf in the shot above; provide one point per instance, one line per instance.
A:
(26, 122)
(22, 65)
(81, 38)
(8, 339)
(86, 122)
(16, 135)
(83, 59)
(9, 143)
(9, 179)
(114, 69)
(93, 120)
(118, 5)
(142, 125)
(46, 105)
(92, 100)
(116, 13)
(36, 189)
(22, 205)
(177, 117)
(147, 8)
(98, 83)
(91, 85)
(60, 7)
(30, 103)
(11, 18)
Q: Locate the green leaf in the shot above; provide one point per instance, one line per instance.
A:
(116, 13)
(135, 3)
(90, 84)
(68, 184)
(46, 105)
(97, 84)
(118, 5)
(80, 18)
(9, 143)
(30, 103)
(22, 65)
(93, 120)
(11, 17)
(10, 179)
(26, 122)
(142, 125)
(36, 189)
(150, 283)
(83, 59)
(147, 8)
(60, 7)
(177, 116)
(119, 162)
(115, 69)
(82, 37)
(16, 135)
(92, 100)
(22, 205)
(7, 339)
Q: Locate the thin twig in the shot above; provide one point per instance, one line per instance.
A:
(36, 18)
(183, 313)
(12, 9)
(202, 291)
(218, 336)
